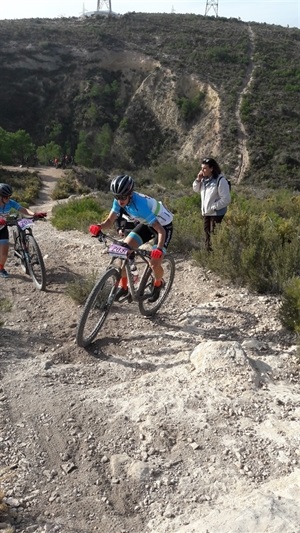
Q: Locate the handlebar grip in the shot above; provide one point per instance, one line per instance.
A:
(101, 237)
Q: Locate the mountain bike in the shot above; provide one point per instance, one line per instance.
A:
(102, 296)
(27, 250)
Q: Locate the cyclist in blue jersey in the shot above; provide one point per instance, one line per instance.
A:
(155, 221)
(6, 204)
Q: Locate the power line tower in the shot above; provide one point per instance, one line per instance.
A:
(211, 4)
(106, 3)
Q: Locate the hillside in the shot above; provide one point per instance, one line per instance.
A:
(187, 422)
(143, 88)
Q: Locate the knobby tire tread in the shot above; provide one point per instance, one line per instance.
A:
(82, 339)
(18, 247)
(39, 284)
(145, 280)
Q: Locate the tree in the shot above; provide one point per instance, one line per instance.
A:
(83, 153)
(22, 147)
(49, 152)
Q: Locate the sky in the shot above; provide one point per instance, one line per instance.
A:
(284, 13)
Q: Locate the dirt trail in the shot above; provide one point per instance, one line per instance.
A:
(49, 177)
(242, 135)
(132, 435)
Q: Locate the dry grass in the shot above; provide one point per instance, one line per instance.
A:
(5, 519)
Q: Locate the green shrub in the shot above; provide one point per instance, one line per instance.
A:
(289, 311)
(68, 185)
(77, 214)
(26, 185)
(80, 288)
(191, 107)
(188, 225)
(256, 245)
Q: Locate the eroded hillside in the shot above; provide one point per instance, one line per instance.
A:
(131, 82)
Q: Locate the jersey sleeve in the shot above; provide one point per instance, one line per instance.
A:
(116, 209)
(12, 204)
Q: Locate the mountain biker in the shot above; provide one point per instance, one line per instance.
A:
(155, 221)
(215, 196)
(6, 204)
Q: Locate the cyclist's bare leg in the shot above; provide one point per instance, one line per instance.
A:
(155, 263)
(158, 270)
(3, 253)
(134, 245)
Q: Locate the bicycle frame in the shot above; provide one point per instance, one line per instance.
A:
(119, 252)
(20, 238)
(27, 250)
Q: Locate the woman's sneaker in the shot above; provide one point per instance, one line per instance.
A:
(3, 273)
(156, 292)
(121, 293)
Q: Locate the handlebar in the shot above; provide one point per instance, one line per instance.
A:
(103, 238)
(13, 220)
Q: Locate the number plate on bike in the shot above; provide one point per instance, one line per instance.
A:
(118, 251)
(25, 223)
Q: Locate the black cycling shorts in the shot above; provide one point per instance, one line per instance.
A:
(143, 233)
(4, 235)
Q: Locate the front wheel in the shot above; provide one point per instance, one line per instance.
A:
(35, 263)
(20, 252)
(97, 307)
(146, 287)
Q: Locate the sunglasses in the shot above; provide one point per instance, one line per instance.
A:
(5, 197)
(206, 161)
(121, 196)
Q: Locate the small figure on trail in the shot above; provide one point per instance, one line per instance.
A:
(215, 196)
(6, 204)
(155, 221)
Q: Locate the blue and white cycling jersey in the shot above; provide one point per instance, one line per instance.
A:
(11, 204)
(146, 209)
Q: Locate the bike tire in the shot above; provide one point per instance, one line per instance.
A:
(35, 263)
(20, 253)
(146, 286)
(97, 307)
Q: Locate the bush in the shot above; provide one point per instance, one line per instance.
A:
(256, 245)
(289, 312)
(25, 185)
(66, 186)
(80, 288)
(188, 225)
(77, 214)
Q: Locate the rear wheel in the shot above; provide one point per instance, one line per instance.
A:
(150, 308)
(97, 307)
(35, 263)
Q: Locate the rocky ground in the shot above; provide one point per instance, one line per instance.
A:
(186, 422)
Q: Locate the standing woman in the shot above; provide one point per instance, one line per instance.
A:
(215, 196)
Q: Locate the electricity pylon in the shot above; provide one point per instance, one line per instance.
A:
(106, 3)
(211, 4)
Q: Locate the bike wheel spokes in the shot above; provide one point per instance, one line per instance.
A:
(97, 307)
(35, 263)
(146, 288)
(19, 252)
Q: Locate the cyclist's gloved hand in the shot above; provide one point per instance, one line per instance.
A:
(2, 221)
(95, 229)
(156, 253)
(40, 215)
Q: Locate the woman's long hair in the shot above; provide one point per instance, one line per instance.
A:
(212, 163)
